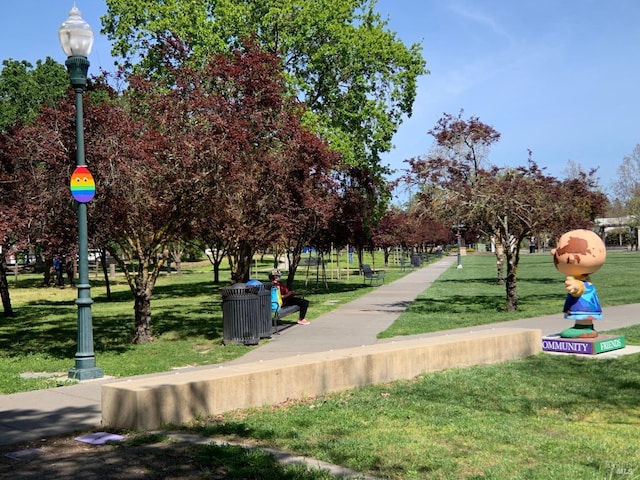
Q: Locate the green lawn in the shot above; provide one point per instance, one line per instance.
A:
(470, 296)
(186, 316)
(544, 417)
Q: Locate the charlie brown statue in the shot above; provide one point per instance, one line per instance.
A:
(579, 254)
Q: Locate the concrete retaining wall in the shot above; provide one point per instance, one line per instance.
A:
(148, 403)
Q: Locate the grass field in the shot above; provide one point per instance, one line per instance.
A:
(470, 296)
(544, 417)
(186, 317)
(187, 314)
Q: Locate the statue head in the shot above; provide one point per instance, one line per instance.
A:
(579, 253)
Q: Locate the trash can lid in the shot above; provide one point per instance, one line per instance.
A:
(255, 283)
(235, 289)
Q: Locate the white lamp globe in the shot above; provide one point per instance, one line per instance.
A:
(76, 36)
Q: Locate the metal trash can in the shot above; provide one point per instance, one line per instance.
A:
(265, 324)
(416, 260)
(240, 314)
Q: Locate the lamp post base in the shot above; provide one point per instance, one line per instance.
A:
(85, 369)
(90, 373)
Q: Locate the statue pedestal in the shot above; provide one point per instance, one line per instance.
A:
(582, 346)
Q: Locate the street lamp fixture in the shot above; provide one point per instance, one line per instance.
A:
(76, 39)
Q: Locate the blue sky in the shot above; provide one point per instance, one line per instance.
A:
(557, 77)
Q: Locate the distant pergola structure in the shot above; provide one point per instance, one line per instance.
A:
(620, 224)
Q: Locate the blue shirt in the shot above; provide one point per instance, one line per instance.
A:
(585, 307)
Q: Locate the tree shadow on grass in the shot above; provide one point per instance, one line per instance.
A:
(484, 280)
(178, 290)
(481, 278)
(332, 287)
(428, 315)
(478, 304)
(205, 320)
(423, 306)
(30, 332)
(50, 327)
(546, 281)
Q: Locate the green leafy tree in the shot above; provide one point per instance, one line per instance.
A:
(10, 220)
(33, 213)
(224, 140)
(507, 205)
(356, 77)
(25, 89)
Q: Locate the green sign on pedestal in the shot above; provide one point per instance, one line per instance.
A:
(583, 346)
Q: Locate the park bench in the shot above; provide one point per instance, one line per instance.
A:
(370, 275)
(403, 264)
(280, 311)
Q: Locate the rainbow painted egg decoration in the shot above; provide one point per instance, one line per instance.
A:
(83, 187)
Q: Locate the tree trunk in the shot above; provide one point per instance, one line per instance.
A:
(177, 259)
(4, 287)
(105, 271)
(500, 263)
(244, 256)
(360, 251)
(216, 256)
(512, 282)
(387, 253)
(48, 267)
(216, 270)
(142, 309)
(141, 282)
(512, 294)
(500, 270)
(294, 257)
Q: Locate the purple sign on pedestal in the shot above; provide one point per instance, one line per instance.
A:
(565, 345)
(583, 346)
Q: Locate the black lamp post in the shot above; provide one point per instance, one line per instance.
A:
(459, 227)
(76, 39)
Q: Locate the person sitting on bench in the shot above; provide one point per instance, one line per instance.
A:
(290, 297)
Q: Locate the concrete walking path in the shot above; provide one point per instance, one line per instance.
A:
(353, 324)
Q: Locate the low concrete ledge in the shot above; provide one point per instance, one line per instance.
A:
(150, 402)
